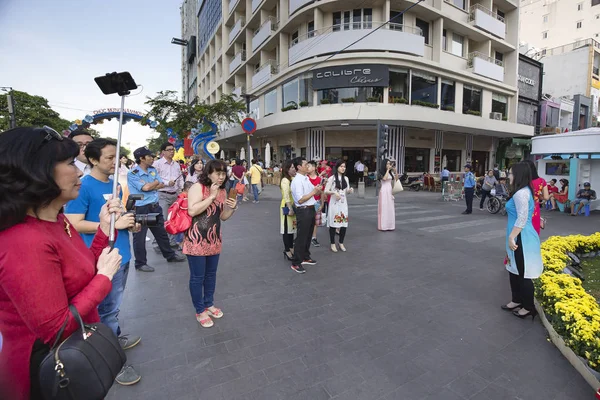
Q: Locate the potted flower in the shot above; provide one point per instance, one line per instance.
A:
(472, 112)
(325, 101)
(373, 99)
(349, 100)
(291, 105)
(399, 100)
(304, 103)
(424, 104)
(448, 108)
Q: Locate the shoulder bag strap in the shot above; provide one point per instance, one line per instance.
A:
(75, 314)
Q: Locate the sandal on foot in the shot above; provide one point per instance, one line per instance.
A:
(217, 313)
(206, 322)
(342, 248)
(333, 248)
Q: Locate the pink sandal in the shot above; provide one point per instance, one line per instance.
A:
(217, 313)
(206, 322)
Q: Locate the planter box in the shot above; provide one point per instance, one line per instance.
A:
(590, 376)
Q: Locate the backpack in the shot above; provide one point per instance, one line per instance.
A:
(178, 219)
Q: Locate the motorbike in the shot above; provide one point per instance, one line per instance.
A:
(412, 183)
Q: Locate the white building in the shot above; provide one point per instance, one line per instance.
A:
(189, 61)
(443, 76)
(546, 24)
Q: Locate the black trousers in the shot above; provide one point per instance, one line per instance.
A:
(469, 193)
(305, 220)
(332, 234)
(484, 194)
(162, 239)
(521, 288)
(288, 238)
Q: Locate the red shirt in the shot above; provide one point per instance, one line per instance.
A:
(316, 181)
(238, 170)
(42, 271)
(552, 189)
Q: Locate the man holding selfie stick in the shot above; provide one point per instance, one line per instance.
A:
(303, 193)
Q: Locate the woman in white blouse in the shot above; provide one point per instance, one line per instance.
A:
(523, 254)
(337, 216)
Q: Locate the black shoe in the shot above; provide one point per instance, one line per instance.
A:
(298, 268)
(465, 213)
(533, 313)
(286, 257)
(145, 268)
(315, 242)
(507, 308)
(177, 258)
(310, 261)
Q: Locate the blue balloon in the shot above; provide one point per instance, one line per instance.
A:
(89, 119)
(73, 127)
(169, 130)
(153, 124)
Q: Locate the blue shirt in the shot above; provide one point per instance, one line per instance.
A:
(137, 178)
(89, 202)
(445, 173)
(469, 180)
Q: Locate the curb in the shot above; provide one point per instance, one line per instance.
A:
(575, 361)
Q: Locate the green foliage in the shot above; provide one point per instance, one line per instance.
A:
(170, 112)
(424, 104)
(30, 110)
(325, 101)
(348, 100)
(400, 100)
(291, 105)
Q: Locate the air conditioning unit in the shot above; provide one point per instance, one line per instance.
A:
(496, 115)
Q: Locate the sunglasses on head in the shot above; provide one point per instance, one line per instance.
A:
(51, 134)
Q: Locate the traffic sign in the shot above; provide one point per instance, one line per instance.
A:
(249, 125)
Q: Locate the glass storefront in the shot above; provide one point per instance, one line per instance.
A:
(348, 95)
(271, 102)
(298, 90)
(423, 88)
(479, 160)
(452, 158)
(448, 95)
(416, 159)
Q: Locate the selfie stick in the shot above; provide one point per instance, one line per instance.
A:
(120, 83)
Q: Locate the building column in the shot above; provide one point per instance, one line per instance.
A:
(573, 174)
(315, 143)
(437, 155)
(469, 147)
(396, 140)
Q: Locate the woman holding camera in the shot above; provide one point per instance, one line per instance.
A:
(44, 264)
(208, 205)
(287, 215)
(386, 212)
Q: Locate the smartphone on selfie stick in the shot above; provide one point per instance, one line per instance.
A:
(121, 83)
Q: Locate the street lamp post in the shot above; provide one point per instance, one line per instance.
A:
(247, 96)
(11, 107)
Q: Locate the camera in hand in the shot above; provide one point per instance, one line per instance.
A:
(150, 219)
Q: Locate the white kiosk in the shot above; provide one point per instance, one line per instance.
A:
(571, 155)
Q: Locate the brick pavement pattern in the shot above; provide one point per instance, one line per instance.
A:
(410, 314)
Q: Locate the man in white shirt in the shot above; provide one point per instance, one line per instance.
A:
(170, 173)
(82, 138)
(303, 193)
(360, 170)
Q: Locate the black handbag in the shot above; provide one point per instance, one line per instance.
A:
(83, 366)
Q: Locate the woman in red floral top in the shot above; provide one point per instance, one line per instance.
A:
(44, 264)
(208, 205)
(539, 188)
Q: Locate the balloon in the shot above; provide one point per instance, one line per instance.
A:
(89, 119)
(171, 140)
(78, 121)
(153, 124)
(169, 130)
(73, 127)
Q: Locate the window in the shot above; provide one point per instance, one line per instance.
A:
(552, 117)
(356, 19)
(579, 24)
(462, 4)
(359, 94)
(254, 109)
(367, 18)
(545, 18)
(471, 100)
(452, 159)
(398, 85)
(545, 35)
(397, 19)
(298, 90)
(558, 168)
(416, 160)
(501, 15)
(271, 102)
(458, 48)
(448, 93)
(500, 104)
(424, 28)
(290, 92)
(444, 40)
(337, 21)
(423, 88)
(579, 6)
(499, 57)
(346, 20)
(311, 29)
(295, 38)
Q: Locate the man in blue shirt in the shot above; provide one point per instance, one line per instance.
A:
(84, 214)
(469, 189)
(144, 179)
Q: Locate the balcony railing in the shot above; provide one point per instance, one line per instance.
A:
(255, 4)
(236, 29)
(264, 32)
(232, 4)
(485, 65)
(264, 72)
(239, 91)
(237, 61)
(487, 20)
(569, 47)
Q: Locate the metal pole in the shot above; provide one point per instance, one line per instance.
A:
(11, 110)
(248, 135)
(378, 163)
(111, 236)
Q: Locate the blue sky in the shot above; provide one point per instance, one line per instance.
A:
(55, 48)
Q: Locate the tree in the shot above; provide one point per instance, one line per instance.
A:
(170, 112)
(30, 110)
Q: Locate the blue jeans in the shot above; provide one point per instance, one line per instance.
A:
(109, 307)
(203, 280)
(255, 191)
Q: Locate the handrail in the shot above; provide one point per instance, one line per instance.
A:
(485, 10)
(356, 26)
(274, 24)
(478, 54)
(269, 63)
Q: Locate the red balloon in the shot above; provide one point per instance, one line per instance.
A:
(172, 140)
